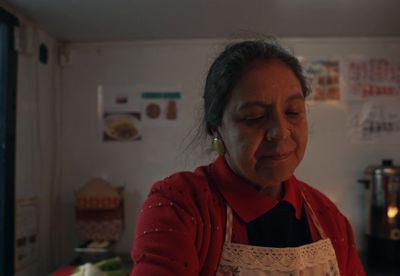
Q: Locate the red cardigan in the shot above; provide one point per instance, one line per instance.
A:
(181, 226)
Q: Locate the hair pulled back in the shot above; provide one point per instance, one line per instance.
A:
(229, 66)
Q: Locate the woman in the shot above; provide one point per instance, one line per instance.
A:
(246, 214)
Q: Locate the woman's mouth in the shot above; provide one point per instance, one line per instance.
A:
(278, 156)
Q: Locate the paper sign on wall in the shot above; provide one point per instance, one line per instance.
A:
(376, 122)
(160, 107)
(119, 114)
(372, 78)
(323, 78)
(27, 232)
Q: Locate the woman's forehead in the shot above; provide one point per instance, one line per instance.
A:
(267, 84)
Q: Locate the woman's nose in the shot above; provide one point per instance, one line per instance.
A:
(277, 131)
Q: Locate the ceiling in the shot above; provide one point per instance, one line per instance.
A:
(126, 20)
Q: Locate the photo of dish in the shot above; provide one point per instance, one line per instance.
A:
(153, 110)
(121, 127)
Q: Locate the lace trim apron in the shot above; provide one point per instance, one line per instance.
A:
(317, 258)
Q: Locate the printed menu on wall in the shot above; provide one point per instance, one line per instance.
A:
(323, 79)
(160, 108)
(371, 78)
(376, 122)
(119, 114)
(124, 111)
(372, 90)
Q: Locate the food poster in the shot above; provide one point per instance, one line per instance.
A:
(119, 114)
(121, 126)
(371, 78)
(160, 108)
(26, 232)
(323, 78)
(375, 122)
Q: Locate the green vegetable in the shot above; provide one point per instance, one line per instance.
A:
(112, 267)
(109, 264)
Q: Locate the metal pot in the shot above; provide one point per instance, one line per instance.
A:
(383, 211)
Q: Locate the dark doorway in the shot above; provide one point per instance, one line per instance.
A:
(8, 77)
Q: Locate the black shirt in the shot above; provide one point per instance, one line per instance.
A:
(279, 227)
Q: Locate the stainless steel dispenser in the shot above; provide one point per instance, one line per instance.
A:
(383, 212)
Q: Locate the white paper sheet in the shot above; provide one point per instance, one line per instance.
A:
(371, 78)
(323, 78)
(27, 232)
(375, 122)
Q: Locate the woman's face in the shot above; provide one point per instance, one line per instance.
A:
(264, 125)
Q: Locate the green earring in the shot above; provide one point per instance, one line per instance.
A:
(218, 146)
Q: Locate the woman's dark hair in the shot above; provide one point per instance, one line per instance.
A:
(229, 66)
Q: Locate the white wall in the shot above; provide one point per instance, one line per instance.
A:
(331, 164)
(35, 145)
(135, 165)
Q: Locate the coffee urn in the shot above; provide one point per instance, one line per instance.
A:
(382, 209)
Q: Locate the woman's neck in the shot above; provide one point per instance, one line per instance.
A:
(274, 190)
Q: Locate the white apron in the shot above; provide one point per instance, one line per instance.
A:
(317, 258)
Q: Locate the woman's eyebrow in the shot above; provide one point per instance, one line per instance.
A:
(252, 104)
(296, 97)
(261, 104)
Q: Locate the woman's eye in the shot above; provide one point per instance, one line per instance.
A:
(292, 113)
(253, 118)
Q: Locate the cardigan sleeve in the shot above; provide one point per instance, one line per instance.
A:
(165, 239)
